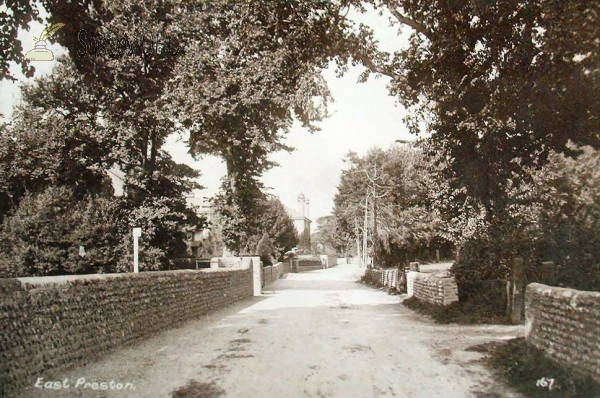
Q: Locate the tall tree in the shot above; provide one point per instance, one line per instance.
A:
(127, 52)
(407, 228)
(54, 138)
(327, 234)
(249, 69)
(234, 77)
(498, 84)
(278, 226)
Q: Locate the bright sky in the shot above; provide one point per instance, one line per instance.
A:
(363, 116)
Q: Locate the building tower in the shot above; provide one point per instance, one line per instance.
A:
(301, 220)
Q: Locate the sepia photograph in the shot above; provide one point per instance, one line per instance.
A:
(300, 199)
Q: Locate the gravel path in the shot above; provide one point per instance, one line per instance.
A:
(316, 334)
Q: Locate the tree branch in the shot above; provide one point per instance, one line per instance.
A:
(407, 21)
(375, 68)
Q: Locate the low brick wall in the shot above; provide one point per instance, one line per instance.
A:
(272, 273)
(50, 324)
(432, 289)
(565, 323)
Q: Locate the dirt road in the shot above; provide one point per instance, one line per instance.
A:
(317, 334)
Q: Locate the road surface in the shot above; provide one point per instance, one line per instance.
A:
(316, 334)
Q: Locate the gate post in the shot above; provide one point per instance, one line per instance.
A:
(517, 297)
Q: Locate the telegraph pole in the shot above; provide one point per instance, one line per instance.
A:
(365, 235)
(374, 215)
(371, 189)
(358, 251)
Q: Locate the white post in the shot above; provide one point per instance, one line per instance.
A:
(257, 275)
(137, 232)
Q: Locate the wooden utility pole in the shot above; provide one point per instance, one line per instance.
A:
(373, 189)
(365, 235)
(358, 251)
(374, 215)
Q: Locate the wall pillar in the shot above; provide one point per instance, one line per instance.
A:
(410, 283)
(257, 275)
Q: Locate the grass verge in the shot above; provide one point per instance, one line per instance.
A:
(532, 373)
(466, 313)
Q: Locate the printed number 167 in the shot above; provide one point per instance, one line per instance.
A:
(544, 382)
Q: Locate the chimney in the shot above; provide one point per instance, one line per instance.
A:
(301, 204)
(307, 208)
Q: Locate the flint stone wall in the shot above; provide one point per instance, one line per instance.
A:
(309, 263)
(433, 289)
(565, 324)
(387, 278)
(50, 324)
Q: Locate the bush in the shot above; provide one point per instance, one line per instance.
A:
(265, 250)
(566, 227)
(481, 265)
(466, 313)
(44, 235)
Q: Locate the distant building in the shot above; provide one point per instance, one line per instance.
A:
(301, 220)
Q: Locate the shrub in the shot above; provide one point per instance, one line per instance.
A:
(44, 235)
(265, 250)
(466, 313)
